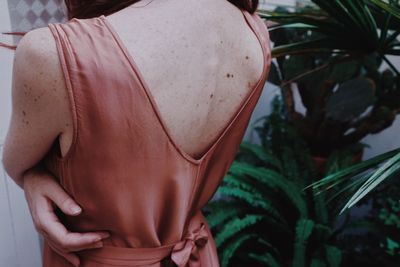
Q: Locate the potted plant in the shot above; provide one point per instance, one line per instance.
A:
(350, 30)
(266, 214)
(263, 216)
(344, 93)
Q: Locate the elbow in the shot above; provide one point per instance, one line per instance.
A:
(10, 170)
(4, 163)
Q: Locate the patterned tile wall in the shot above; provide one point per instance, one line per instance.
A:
(29, 14)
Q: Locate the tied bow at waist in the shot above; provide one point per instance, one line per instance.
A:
(186, 251)
(183, 253)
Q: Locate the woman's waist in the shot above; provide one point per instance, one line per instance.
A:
(180, 250)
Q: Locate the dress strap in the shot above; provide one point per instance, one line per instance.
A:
(259, 27)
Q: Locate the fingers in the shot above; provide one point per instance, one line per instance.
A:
(58, 195)
(45, 184)
(43, 193)
(70, 257)
(67, 241)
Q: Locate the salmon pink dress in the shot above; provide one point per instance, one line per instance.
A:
(124, 169)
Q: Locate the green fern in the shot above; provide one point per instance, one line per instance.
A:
(266, 259)
(253, 200)
(233, 246)
(304, 229)
(221, 212)
(318, 263)
(333, 256)
(234, 226)
(267, 157)
(275, 182)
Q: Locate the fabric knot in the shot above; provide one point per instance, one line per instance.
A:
(187, 251)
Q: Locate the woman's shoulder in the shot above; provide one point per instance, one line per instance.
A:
(37, 52)
(37, 73)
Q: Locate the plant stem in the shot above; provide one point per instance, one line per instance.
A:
(390, 65)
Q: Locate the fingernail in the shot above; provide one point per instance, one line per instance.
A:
(105, 235)
(98, 245)
(75, 209)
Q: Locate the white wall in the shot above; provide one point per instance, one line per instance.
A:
(378, 143)
(19, 243)
(388, 139)
(384, 141)
(274, 3)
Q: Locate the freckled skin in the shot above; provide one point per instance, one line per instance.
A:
(185, 64)
(39, 112)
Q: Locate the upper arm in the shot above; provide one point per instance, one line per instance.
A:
(38, 103)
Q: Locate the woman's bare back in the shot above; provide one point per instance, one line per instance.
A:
(199, 59)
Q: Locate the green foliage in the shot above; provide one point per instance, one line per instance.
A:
(342, 26)
(265, 215)
(303, 230)
(333, 51)
(262, 216)
(344, 100)
(350, 100)
(389, 215)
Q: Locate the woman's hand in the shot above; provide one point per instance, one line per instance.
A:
(43, 194)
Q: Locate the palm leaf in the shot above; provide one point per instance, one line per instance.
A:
(344, 175)
(386, 171)
(347, 26)
(389, 8)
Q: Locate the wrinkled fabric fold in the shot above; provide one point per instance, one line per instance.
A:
(182, 253)
(123, 168)
(185, 253)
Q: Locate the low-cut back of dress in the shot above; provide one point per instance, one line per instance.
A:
(123, 167)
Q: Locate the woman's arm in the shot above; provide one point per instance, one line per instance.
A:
(43, 193)
(39, 107)
(38, 104)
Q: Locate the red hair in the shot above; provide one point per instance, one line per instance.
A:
(82, 9)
